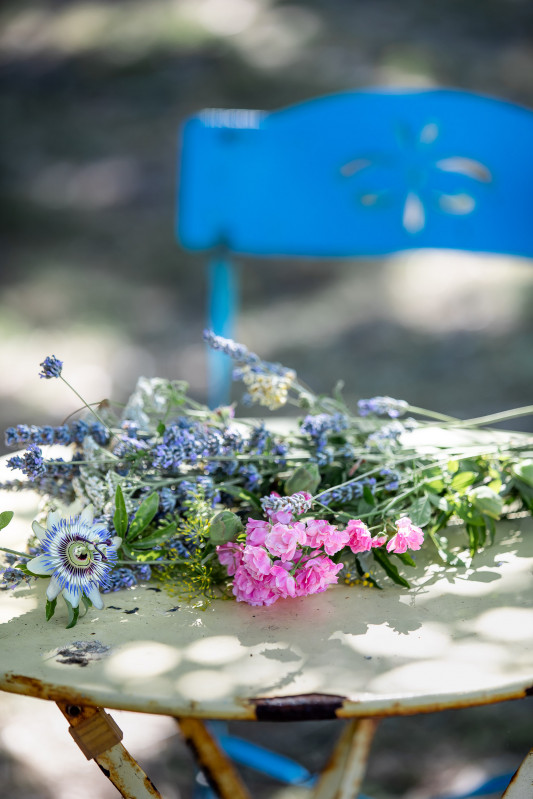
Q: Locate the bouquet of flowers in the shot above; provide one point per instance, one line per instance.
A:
(209, 505)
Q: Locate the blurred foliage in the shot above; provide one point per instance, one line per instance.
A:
(92, 98)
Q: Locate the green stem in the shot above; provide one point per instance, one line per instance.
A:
(515, 413)
(347, 482)
(441, 417)
(99, 418)
(174, 561)
(15, 552)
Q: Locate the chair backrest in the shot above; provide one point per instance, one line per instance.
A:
(354, 174)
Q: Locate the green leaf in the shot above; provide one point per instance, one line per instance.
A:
(420, 511)
(304, 478)
(439, 502)
(154, 540)
(368, 496)
(453, 466)
(363, 509)
(389, 568)
(160, 429)
(145, 513)
(120, 518)
(344, 517)
(463, 479)
(406, 558)
(524, 471)
(436, 486)
(477, 533)
(241, 493)
(50, 608)
(87, 602)
(225, 526)
(23, 568)
(487, 501)
(525, 491)
(73, 614)
(5, 518)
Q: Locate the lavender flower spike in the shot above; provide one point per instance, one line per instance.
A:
(382, 406)
(31, 463)
(52, 367)
(297, 503)
(237, 352)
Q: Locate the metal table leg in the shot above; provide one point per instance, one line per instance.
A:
(98, 736)
(521, 786)
(212, 760)
(343, 775)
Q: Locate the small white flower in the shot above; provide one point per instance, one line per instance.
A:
(268, 389)
(78, 555)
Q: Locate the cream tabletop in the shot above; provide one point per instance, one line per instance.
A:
(456, 638)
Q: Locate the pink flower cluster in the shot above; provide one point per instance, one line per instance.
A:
(408, 536)
(287, 558)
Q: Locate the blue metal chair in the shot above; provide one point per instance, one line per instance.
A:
(355, 174)
(363, 173)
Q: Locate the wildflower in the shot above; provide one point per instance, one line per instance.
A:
(12, 578)
(237, 352)
(282, 539)
(247, 588)
(319, 533)
(77, 554)
(345, 493)
(315, 575)
(143, 572)
(408, 536)
(126, 577)
(256, 532)
(269, 390)
(256, 560)
(382, 406)
(31, 463)
(297, 503)
(118, 579)
(360, 538)
(389, 435)
(281, 580)
(318, 426)
(52, 367)
(394, 479)
(230, 556)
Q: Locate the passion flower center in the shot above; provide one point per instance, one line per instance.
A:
(80, 554)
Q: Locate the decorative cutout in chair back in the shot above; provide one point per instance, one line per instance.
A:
(361, 173)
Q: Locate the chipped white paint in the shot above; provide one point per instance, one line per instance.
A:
(456, 638)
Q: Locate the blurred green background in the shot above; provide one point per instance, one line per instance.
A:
(93, 96)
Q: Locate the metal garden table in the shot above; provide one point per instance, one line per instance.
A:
(456, 639)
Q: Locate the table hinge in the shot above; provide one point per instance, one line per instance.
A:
(96, 734)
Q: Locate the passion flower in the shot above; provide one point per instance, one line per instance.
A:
(77, 553)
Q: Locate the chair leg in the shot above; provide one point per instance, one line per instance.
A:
(98, 736)
(521, 785)
(213, 762)
(343, 775)
(223, 301)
